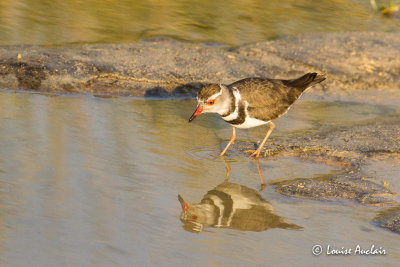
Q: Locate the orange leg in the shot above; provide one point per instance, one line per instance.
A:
(233, 137)
(261, 177)
(228, 168)
(256, 154)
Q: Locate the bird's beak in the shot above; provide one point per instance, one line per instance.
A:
(185, 206)
(196, 113)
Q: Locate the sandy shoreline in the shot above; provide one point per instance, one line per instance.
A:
(354, 63)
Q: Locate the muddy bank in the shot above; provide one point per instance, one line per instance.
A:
(352, 147)
(389, 219)
(163, 67)
(349, 146)
(338, 186)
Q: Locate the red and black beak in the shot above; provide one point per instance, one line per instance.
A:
(196, 113)
(185, 206)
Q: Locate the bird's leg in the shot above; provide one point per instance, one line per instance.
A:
(228, 168)
(261, 177)
(233, 137)
(256, 154)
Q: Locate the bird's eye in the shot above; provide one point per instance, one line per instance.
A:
(193, 217)
(211, 102)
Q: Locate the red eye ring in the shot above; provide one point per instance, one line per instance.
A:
(211, 102)
(193, 217)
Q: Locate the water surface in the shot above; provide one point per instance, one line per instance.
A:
(89, 181)
(227, 22)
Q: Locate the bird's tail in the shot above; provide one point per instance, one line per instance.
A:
(306, 80)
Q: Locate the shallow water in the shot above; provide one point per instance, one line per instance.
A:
(89, 181)
(227, 22)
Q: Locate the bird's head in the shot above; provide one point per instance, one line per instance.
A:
(197, 216)
(213, 98)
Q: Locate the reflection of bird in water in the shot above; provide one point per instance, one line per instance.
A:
(233, 206)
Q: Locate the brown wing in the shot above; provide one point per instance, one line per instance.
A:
(267, 98)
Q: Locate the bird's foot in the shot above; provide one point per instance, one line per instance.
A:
(263, 186)
(254, 153)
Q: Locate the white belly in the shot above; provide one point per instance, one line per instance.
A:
(250, 123)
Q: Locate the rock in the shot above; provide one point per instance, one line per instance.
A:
(336, 187)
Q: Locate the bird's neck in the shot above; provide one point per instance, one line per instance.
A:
(230, 100)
